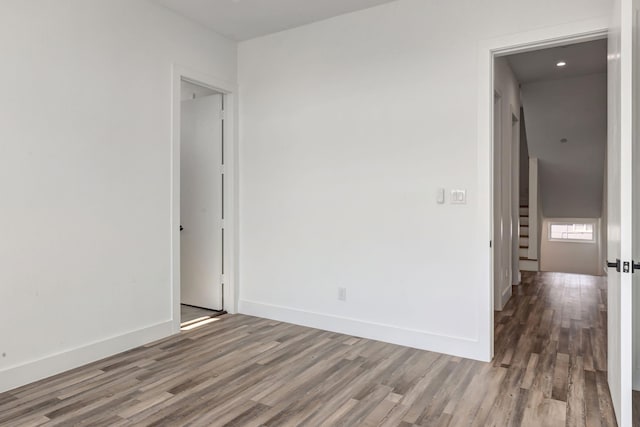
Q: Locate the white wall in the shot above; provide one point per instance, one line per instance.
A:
(571, 174)
(348, 128)
(604, 221)
(84, 176)
(535, 210)
(571, 257)
(524, 161)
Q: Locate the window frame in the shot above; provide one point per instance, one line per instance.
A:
(593, 240)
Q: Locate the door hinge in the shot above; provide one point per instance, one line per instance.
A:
(222, 115)
(222, 278)
(222, 223)
(222, 169)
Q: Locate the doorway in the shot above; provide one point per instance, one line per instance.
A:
(201, 202)
(550, 222)
(506, 144)
(573, 329)
(620, 29)
(203, 199)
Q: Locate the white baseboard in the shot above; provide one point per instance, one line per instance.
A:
(517, 278)
(35, 370)
(506, 294)
(457, 346)
(636, 379)
(529, 265)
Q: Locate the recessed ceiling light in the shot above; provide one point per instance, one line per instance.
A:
(561, 64)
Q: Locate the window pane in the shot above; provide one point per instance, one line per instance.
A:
(571, 232)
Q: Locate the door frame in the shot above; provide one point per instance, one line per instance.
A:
(515, 195)
(489, 49)
(496, 240)
(230, 129)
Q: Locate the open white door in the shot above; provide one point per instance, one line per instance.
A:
(201, 202)
(620, 191)
(636, 205)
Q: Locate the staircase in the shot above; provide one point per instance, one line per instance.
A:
(526, 264)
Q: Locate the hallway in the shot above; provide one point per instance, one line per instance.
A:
(552, 339)
(549, 370)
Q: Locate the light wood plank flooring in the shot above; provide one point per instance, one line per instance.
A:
(189, 313)
(549, 370)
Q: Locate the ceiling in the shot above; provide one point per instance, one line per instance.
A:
(581, 58)
(566, 124)
(571, 173)
(246, 19)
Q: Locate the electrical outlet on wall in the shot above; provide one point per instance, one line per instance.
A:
(342, 294)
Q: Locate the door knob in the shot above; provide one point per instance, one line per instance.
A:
(616, 265)
(635, 266)
(181, 227)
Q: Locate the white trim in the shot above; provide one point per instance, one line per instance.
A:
(535, 213)
(230, 92)
(626, 103)
(416, 338)
(592, 221)
(489, 49)
(528, 265)
(506, 294)
(28, 372)
(515, 195)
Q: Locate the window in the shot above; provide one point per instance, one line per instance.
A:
(580, 232)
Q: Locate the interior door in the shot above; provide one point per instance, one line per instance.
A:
(636, 207)
(498, 223)
(201, 202)
(620, 196)
(505, 187)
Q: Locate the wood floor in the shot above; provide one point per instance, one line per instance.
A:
(189, 313)
(549, 370)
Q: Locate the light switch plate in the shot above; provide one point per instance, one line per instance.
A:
(458, 197)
